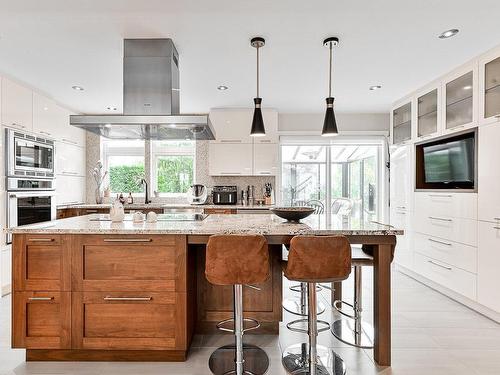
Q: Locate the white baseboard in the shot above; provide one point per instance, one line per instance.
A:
(483, 310)
(6, 289)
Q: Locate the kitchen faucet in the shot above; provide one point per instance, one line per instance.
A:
(146, 191)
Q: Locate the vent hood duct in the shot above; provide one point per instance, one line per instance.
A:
(150, 98)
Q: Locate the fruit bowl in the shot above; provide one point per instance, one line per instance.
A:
(292, 214)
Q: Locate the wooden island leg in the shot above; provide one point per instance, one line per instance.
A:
(382, 304)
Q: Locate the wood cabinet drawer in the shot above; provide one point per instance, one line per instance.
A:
(449, 228)
(129, 320)
(42, 320)
(455, 205)
(220, 211)
(454, 253)
(451, 277)
(41, 262)
(147, 263)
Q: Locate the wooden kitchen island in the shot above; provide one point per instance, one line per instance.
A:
(89, 289)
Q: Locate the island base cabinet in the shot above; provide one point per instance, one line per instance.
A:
(129, 321)
(42, 320)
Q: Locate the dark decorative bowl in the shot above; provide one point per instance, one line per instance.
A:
(292, 214)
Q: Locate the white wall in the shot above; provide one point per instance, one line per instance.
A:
(313, 122)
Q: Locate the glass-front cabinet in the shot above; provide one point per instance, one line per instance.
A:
(401, 123)
(459, 101)
(427, 113)
(492, 89)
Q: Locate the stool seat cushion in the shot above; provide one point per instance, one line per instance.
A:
(319, 259)
(237, 259)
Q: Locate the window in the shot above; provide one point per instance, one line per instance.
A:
(173, 166)
(343, 174)
(124, 161)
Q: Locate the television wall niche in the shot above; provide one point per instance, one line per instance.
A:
(448, 163)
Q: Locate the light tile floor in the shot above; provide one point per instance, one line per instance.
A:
(431, 335)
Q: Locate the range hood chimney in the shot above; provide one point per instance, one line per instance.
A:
(150, 98)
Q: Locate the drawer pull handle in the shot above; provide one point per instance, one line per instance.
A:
(439, 218)
(230, 173)
(230, 140)
(440, 242)
(496, 218)
(69, 141)
(108, 298)
(401, 207)
(496, 227)
(128, 240)
(440, 265)
(91, 211)
(40, 298)
(441, 195)
(252, 287)
(41, 239)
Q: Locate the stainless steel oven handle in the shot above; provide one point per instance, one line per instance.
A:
(69, 141)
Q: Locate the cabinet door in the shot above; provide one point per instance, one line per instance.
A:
(68, 133)
(230, 159)
(428, 113)
(489, 87)
(70, 159)
(17, 106)
(70, 189)
(459, 91)
(404, 250)
(146, 263)
(41, 320)
(45, 116)
(488, 173)
(401, 185)
(271, 125)
(232, 125)
(265, 159)
(401, 123)
(6, 273)
(488, 293)
(129, 320)
(41, 262)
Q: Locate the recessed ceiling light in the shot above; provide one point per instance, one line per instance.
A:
(448, 33)
(77, 88)
(222, 88)
(468, 87)
(45, 108)
(375, 87)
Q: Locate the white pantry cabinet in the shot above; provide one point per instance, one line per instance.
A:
(403, 255)
(230, 159)
(45, 117)
(488, 292)
(17, 106)
(489, 87)
(70, 189)
(489, 173)
(265, 159)
(70, 159)
(401, 177)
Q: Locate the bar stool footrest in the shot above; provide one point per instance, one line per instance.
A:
(290, 325)
(220, 325)
(337, 305)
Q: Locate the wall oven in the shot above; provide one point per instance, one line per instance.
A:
(28, 155)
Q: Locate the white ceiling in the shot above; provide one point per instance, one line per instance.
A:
(54, 44)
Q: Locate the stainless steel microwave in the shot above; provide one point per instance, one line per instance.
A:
(29, 155)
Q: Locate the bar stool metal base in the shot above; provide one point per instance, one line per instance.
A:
(256, 361)
(295, 359)
(295, 306)
(354, 333)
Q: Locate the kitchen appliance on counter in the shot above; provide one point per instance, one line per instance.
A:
(225, 195)
(197, 194)
(30, 182)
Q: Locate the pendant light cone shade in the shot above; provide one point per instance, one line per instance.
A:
(258, 129)
(330, 124)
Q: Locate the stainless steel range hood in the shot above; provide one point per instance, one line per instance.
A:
(150, 98)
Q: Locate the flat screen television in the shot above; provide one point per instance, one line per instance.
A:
(448, 163)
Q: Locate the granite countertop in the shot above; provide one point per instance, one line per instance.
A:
(266, 224)
(143, 206)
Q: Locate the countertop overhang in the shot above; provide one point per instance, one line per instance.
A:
(265, 224)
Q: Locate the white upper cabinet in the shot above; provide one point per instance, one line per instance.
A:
(428, 111)
(45, 119)
(489, 87)
(17, 105)
(401, 123)
(460, 99)
(265, 159)
(489, 173)
(70, 159)
(68, 133)
(230, 159)
(234, 125)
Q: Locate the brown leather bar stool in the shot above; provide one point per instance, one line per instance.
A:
(237, 260)
(314, 259)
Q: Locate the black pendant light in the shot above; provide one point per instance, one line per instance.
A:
(258, 129)
(330, 124)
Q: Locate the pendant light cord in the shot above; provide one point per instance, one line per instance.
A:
(258, 71)
(330, 72)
